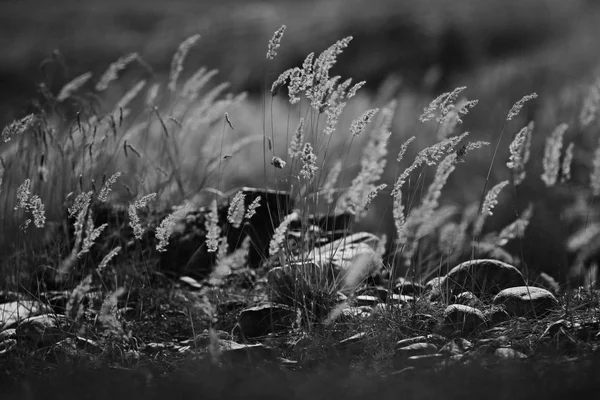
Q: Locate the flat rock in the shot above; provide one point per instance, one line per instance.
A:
(16, 311)
(365, 300)
(402, 354)
(463, 318)
(484, 278)
(234, 353)
(408, 287)
(508, 353)
(266, 318)
(425, 360)
(524, 301)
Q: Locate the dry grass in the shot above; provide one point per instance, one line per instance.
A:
(185, 142)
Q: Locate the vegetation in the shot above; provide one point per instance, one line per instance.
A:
(166, 227)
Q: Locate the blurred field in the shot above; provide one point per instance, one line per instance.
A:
(399, 37)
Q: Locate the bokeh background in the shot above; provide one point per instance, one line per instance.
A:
(404, 49)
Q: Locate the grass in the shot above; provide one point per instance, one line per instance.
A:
(106, 169)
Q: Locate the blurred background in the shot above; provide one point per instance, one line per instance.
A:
(405, 49)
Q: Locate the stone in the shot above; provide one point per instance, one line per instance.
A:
(233, 353)
(266, 318)
(353, 343)
(402, 354)
(187, 253)
(508, 353)
(43, 330)
(402, 299)
(16, 311)
(456, 346)
(380, 292)
(425, 360)
(408, 287)
(484, 278)
(353, 259)
(525, 301)
(463, 318)
(467, 299)
(408, 341)
(354, 313)
(364, 300)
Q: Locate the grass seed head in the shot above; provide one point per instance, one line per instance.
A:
(179, 59)
(275, 42)
(552, 152)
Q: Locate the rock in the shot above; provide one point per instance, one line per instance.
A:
(456, 347)
(467, 299)
(407, 287)
(353, 259)
(383, 309)
(524, 301)
(402, 299)
(76, 348)
(402, 354)
(433, 289)
(423, 321)
(43, 330)
(509, 353)
(484, 278)
(354, 343)
(16, 311)
(190, 283)
(425, 360)
(7, 296)
(408, 341)
(187, 254)
(203, 339)
(463, 318)
(364, 300)
(233, 353)
(266, 318)
(380, 292)
(354, 313)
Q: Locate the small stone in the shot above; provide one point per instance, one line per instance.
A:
(233, 353)
(483, 278)
(266, 318)
(16, 311)
(456, 347)
(402, 299)
(43, 330)
(377, 291)
(463, 318)
(528, 301)
(407, 287)
(467, 299)
(425, 360)
(353, 313)
(508, 353)
(365, 300)
(409, 341)
(402, 354)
